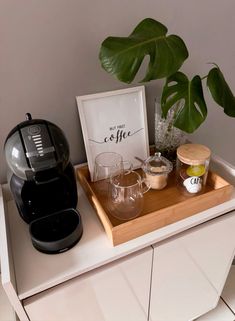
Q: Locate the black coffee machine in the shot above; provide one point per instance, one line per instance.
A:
(43, 184)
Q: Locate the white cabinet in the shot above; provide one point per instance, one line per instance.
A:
(6, 310)
(116, 292)
(180, 280)
(228, 293)
(189, 271)
(221, 313)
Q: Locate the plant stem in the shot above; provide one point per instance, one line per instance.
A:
(204, 77)
(171, 122)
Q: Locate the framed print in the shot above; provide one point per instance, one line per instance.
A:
(115, 121)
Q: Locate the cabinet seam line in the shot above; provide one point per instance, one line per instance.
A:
(233, 312)
(150, 286)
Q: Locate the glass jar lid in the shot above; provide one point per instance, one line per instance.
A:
(157, 165)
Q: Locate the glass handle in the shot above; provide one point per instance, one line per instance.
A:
(147, 185)
(127, 167)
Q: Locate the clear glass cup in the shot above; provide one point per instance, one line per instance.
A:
(126, 191)
(107, 164)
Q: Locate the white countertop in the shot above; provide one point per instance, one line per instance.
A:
(36, 271)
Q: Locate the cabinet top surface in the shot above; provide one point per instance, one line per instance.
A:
(35, 271)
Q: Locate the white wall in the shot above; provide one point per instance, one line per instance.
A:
(49, 54)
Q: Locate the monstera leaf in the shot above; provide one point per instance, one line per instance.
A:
(193, 110)
(122, 56)
(220, 91)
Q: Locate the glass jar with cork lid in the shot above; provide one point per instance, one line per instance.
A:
(192, 168)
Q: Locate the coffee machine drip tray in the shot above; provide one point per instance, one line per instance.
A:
(56, 232)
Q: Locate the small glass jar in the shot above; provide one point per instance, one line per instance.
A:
(192, 168)
(156, 170)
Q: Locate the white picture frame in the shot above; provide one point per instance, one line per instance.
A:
(115, 121)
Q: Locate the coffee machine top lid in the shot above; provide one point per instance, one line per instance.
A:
(36, 145)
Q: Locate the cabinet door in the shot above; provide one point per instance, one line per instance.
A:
(220, 313)
(117, 291)
(228, 293)
(189, 271)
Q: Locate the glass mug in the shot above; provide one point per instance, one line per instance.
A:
(125, 200)
(107, 164)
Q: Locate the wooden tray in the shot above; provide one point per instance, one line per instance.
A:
(160, 207)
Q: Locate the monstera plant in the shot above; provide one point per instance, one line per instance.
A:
(123, 56)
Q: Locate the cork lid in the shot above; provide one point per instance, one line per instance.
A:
(193, 154)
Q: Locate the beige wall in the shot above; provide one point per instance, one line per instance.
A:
(49, 54)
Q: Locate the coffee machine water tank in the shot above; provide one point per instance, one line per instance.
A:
(43, 180)
(35, 146)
